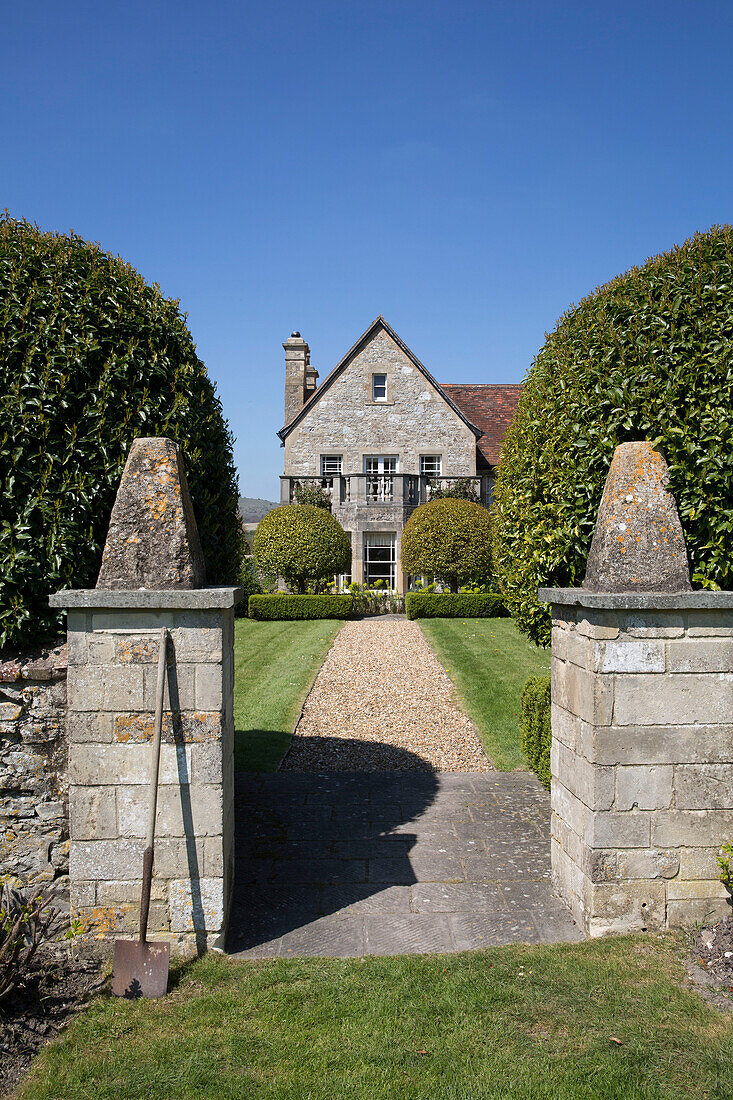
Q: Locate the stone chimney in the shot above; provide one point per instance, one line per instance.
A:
(300, 377)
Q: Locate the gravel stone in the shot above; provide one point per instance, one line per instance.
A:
(382, 702)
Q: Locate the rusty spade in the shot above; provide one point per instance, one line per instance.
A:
(140, 968)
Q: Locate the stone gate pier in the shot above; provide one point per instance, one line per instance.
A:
(152, 576)
(642, 719)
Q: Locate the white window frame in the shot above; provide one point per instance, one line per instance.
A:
(381, 540)
(380, 471)
(435, 460)
(379, 386)
(332, 465)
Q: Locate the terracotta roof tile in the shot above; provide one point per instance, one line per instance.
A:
(490, 408)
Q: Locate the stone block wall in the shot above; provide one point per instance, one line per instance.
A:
(34, 834)
(113, 655)
(642, 756)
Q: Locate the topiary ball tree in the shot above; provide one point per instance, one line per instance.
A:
(303, 544)
(448, 539)
(92, 357)
(647, 356)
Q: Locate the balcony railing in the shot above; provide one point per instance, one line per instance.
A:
(408, 490)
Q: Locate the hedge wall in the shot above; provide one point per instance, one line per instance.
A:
(536, 728)
(280, 606)
(451, 605)
(92, 357)
(647, 356)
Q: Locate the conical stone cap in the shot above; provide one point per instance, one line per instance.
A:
(638, 543)
(153, 541)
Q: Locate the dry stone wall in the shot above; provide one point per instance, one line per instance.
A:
(34, 834)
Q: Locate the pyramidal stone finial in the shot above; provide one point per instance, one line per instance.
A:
(638, 545)
(153, 541)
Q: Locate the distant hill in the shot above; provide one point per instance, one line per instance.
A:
(252, 509)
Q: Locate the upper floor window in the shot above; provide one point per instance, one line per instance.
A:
(331, 465)
(379, 387)
(431, 465)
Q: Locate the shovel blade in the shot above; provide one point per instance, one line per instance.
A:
(140, 969)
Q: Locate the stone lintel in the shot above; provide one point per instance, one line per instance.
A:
(637, 601)
(183, 599)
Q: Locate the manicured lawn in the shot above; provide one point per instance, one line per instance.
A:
(606, 1019)
(489, 661)
(275, 665)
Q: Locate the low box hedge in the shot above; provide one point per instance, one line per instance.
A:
(281, 606)
(536, 726)
(454, 605)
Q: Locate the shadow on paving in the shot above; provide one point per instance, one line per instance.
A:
(397, 861)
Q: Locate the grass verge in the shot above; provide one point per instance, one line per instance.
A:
(606, 1019)
(275, 664)
(489, 662)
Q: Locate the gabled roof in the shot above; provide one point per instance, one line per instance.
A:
(352, 353)
(491, 408)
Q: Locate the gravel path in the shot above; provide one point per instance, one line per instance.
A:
(383, 702)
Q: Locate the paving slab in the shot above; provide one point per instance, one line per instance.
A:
(392, 863)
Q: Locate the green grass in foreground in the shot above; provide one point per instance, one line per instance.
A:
(511, 1023)
(489, 661)
(275, 665)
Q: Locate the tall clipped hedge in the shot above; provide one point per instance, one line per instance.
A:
(647, 356)
(91, 358)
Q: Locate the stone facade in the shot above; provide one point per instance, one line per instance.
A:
(642, 760)
(34, 841)
(415, 419)
(112, 663)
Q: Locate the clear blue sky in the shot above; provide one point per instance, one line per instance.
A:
(468, 169)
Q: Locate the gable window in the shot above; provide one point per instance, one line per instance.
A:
(431, 465)
(331, 465)
(379, 387)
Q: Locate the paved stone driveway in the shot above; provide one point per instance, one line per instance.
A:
(384, 863)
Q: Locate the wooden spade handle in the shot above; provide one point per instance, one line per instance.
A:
(153, 795)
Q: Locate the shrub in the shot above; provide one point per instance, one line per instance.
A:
(248, 580)
(302, 544)
(280, 606)
(448, 539)
(92, 357)
(449, 605)
(725, 862)
(647, 356)
(464, 488)
(27, 920)
(376, 601)
(536, 726)
(312, 494)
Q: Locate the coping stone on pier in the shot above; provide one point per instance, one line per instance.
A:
(153, 540)
(638, 543)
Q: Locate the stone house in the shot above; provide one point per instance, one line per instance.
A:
(378, 433)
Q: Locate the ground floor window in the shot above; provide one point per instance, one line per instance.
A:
(379, 559)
